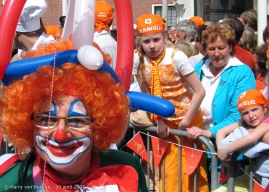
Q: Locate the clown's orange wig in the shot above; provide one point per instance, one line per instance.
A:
(105, 101)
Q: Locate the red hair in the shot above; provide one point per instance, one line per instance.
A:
(105, 101)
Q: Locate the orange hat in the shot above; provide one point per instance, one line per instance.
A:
(149, 23)
(250, 98)
(53, 30)
(197, 20)
(103, 15)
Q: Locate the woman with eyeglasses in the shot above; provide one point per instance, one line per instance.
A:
(62, 121)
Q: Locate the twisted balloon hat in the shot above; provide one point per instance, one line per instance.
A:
(80, 23)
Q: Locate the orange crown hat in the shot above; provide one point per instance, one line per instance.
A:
(250, 98)
(53, 30)
(197, 20)
(104, 15)
(149, 23)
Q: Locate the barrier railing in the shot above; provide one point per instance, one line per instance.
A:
(180, 133)
(8, 148)
(231, 172)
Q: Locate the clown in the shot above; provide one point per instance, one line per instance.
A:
(65, 131)
(62, 109)
(63, 119)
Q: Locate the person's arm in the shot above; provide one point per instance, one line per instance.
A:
(244, 79)
(222, 133)
(195, 132)
(244, 141)
(184, 67)
(197, 98)
(162, 128)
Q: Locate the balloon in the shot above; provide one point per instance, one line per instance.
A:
(20, 68)
(125, 41)
(151, 103)
(82, 21)
(125, 30)
(83, 25)
(9, 18)
(90, 57)
(69, 20)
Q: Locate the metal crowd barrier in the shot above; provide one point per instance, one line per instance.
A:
(204, 140)
(231, 172)
(8, 148)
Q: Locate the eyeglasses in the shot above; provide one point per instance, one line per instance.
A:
(197, 39)
(44, 121)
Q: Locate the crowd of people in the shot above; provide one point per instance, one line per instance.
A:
(215, 75)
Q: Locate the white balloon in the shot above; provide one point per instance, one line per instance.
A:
(90, 57)
(83, 23)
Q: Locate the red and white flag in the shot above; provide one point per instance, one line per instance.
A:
(193, 158)
(137, 145)
(158, 147)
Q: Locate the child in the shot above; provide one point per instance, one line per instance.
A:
(167, 73)
(250, 136)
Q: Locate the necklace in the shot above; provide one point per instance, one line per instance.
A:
(155, 79)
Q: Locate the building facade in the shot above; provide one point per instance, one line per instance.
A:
(175, 11)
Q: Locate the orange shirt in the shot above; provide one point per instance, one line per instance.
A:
(174, 87)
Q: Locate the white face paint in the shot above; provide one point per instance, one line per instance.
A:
(62, 153)
(65, 148)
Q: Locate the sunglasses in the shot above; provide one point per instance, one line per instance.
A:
(197, 39)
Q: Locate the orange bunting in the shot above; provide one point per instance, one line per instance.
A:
(257, 187)
(193, 158)
(137, 145)
(158, 148)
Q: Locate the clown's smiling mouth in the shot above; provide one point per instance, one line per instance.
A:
(62, 150)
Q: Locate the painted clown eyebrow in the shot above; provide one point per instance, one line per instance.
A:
(52, 109)
(77, 108)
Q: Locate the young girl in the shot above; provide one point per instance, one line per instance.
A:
(250, 136)
(167, 73)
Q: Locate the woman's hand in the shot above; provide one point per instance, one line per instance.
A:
(195, 132)
(162, 129)
(223, 154)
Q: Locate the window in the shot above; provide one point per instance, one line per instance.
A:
(171, 14)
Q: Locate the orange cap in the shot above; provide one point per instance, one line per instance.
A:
(250, 98)
(103, 15)
(197, 20)
(53, 30)
(149, 23)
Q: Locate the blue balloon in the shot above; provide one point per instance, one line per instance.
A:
(151, 103)
(142, 101)
(20, 68)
